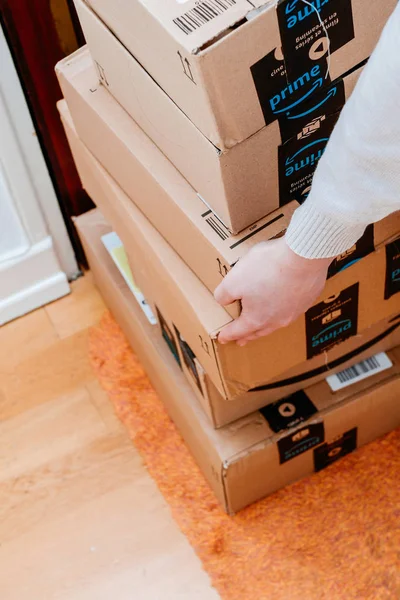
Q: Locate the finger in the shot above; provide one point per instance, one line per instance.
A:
(236, 330)
(225, 293)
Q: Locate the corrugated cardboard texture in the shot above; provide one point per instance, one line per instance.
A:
(207, 57)
(242, 461)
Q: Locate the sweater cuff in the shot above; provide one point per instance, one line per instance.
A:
(312, 234)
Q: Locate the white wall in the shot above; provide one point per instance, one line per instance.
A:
(13, 239)
(36, 256)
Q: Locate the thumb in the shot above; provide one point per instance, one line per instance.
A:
(224, 293)
(240, 328)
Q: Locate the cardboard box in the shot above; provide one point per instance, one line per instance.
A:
(240, 185)
(166, 198)
(247, 460)
(226, 70)
(352, 302)
(381, 337)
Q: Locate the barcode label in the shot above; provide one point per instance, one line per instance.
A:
(366, 368)
(201, 14)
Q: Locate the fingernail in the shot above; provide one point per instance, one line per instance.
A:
(241, 343)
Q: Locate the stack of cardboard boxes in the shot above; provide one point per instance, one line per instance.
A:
(196, 128)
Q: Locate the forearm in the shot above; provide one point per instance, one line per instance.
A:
(357, 181)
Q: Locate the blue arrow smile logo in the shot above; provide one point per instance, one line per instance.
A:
(290, 6)
(346, 322)
(291, 159)
(317, 84)
(330, 94)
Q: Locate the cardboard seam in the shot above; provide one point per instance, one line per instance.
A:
(217, 362)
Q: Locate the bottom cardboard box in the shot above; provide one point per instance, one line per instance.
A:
(256, 455)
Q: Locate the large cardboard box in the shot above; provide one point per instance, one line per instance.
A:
(353, 300)
(240, 185)
(383, 336)
(166, 198)
(231, 73)
(249, 459)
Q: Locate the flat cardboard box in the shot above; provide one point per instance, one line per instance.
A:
(381, 337)
(166, 198)
(352, 302)
(246, 461)
(223, 68)
(240, 185)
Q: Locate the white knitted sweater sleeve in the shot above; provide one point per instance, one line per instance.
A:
(357, 181)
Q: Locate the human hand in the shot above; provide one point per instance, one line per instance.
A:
(275, 286)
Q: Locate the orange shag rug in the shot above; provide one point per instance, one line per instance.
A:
(334, 536)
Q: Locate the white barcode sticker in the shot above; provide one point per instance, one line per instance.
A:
(202, 13)
(117, 252)
(366, 368)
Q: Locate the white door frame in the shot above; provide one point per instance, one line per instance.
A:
(36, 256)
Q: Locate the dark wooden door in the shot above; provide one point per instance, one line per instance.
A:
(40, 33)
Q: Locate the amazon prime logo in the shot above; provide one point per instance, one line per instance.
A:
(299, 157)
(331, 333)
(297, 11)
(286, 94)
(306, 157)
(332, 321)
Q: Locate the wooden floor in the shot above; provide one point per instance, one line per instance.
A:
(80, 518)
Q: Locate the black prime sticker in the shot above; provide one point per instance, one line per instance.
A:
(189, 358)
(392, 284)
(311, 31)
(361, 249)
(300, 441)
(168, 337)
(327, 454)
(296, 102)
(289, 412)
(298, 158)
(332, 321)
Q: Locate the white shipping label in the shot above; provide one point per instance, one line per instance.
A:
(363, 370)
(116, 250)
